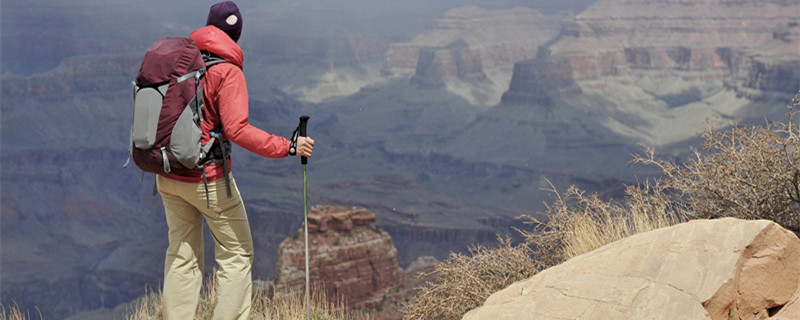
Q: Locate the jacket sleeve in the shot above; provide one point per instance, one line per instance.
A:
(232, 100)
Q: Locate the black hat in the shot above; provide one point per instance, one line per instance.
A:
(225, 15)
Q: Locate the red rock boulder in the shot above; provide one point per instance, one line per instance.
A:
(349, 258)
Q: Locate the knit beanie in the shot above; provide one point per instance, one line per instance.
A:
(225, 16)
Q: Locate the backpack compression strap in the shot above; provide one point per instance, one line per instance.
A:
(206, 150)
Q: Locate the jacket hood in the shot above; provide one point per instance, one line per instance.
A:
(214, 40)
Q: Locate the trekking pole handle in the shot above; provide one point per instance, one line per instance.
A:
(302, 133)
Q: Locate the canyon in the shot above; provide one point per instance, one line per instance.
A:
(446, 124)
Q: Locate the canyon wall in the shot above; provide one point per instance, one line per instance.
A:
(471, 51)
(654, 71)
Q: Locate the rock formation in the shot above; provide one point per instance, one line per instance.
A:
(497, 38)
(349, 258)
(705, 269)
(471, 48)
(75, 75)
(654, 71)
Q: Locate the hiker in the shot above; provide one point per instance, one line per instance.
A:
(187, 202)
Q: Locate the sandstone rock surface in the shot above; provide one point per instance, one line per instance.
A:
(706, 269)
(349, 258)
(323, 219)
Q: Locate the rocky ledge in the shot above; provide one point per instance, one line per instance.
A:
(704, 269)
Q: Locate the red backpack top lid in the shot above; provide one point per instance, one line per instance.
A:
(169, 58)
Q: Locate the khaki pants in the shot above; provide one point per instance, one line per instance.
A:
(185, 206)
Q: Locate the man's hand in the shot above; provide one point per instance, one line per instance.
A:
(305, 146)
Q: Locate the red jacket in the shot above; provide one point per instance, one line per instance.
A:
(225, 99)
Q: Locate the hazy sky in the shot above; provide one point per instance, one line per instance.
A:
(37, 34)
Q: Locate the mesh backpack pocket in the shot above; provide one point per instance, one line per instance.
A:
(147, 107)
(185, 139)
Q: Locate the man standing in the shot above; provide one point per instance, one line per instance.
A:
(187, 202)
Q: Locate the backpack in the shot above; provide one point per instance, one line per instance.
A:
(168, 109)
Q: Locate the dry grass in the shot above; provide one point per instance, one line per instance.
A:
(578, 223)
(147, 307)
(13, 312)
(263, 307)
(322, 308)
(744, 172)
(463, 282)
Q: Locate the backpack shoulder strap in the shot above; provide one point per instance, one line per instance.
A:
(211, 59)
(195, 74)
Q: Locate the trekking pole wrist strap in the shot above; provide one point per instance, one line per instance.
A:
(293, 143)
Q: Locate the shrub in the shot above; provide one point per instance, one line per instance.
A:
(464, 281)
(744, 172)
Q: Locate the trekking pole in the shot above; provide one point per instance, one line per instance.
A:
(303, 160)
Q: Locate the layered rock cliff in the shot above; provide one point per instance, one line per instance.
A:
(655, 71)
(349, 258)
(471, 51)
